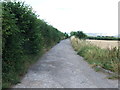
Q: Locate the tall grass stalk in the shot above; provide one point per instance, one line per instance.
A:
(106, 58)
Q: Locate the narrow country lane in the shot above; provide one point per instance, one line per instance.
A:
(61, 67)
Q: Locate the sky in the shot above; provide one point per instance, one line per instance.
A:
(89, 16)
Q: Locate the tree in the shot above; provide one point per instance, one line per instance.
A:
(73, 33)
(66, 35)
(79, 34)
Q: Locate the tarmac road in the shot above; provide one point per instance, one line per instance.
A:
(61, 67)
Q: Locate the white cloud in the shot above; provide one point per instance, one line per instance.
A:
(91, 16)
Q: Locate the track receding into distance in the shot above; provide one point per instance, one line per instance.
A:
(61, 67)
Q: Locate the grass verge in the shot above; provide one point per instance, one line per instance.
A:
(108, 59)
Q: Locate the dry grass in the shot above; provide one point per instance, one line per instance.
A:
(106, 58)
(104, 44)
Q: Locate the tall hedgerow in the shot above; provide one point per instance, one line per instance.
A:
(24, 37)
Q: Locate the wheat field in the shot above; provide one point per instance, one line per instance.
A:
(104, 44)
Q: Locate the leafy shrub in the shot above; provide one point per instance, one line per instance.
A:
(24, 37)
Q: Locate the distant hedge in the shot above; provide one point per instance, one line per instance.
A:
(23, 36)
(81, 35)
(103, 38)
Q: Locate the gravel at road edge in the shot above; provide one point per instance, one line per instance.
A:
(61, 67)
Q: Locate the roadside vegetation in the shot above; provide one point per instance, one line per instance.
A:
(108, 59)
(24, 39)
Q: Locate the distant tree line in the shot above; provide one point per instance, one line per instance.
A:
(23, 35)
(82, 35)
(103, 38)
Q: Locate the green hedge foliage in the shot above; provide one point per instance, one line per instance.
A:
(23, 35)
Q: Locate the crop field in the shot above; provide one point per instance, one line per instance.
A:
(104, 44)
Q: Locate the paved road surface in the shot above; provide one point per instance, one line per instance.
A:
(61, 67)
